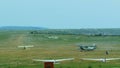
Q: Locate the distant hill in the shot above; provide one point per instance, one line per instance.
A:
(21, 28)
(94, 32)
(42, 30)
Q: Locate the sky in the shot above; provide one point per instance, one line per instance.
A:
(61, 14)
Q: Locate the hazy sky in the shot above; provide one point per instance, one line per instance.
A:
(61, 13)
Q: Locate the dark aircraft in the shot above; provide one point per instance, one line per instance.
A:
(87, 47)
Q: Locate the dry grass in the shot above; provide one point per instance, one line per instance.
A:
(52, 49)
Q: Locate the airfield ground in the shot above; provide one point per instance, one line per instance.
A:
(48, 46)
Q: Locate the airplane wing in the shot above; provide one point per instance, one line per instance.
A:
(101, 59)
(64, 59)
(26, 46)
(95, 59)
(44, 60)
(113, 59)
(58, 60)
(29, 46)
(91, 59)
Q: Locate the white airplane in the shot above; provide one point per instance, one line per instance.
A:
(25, 47)
(54, 61)
(101, 59)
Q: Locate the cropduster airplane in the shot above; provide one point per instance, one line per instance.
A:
(25, 47)
(100, 59)
(53, 60)
(50, 63)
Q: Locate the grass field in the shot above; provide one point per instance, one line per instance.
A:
(48, 47)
